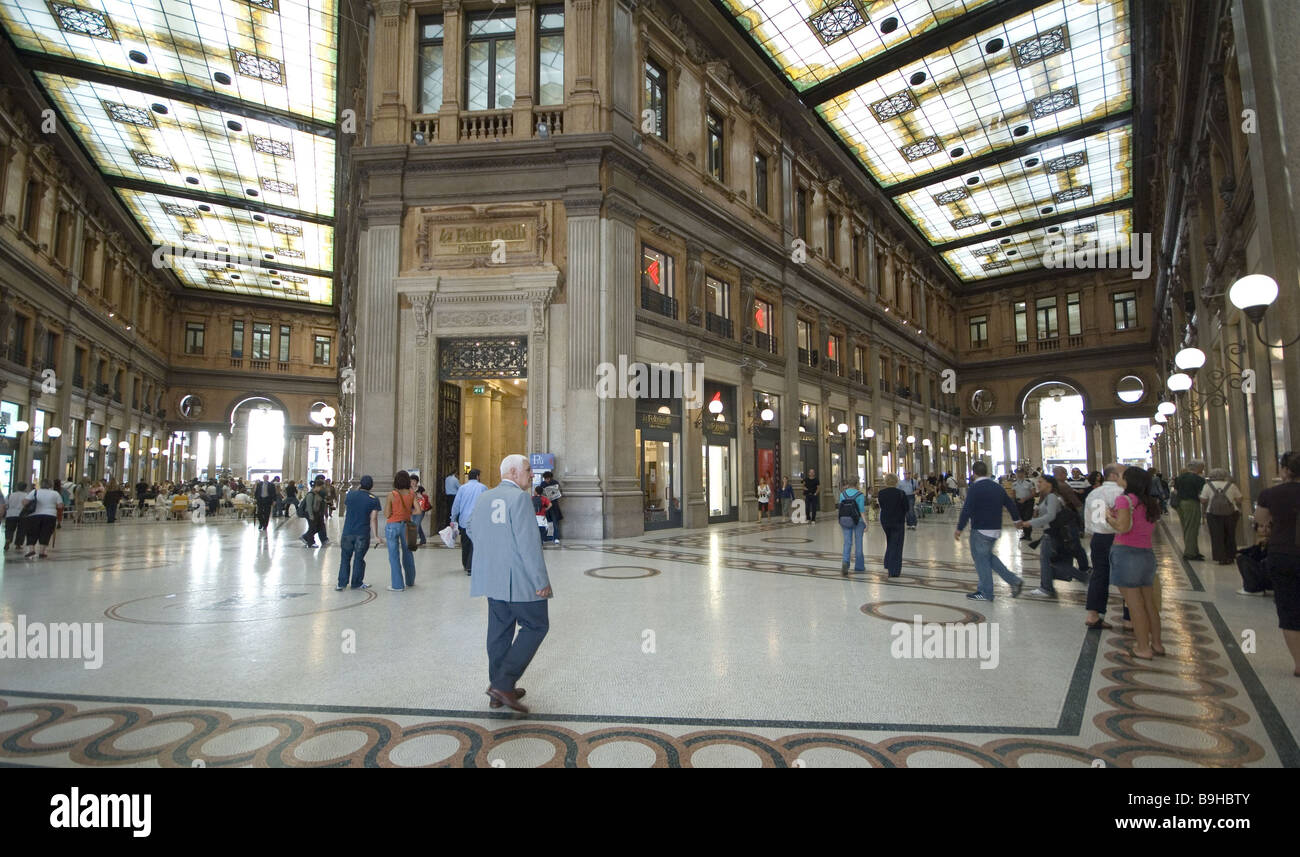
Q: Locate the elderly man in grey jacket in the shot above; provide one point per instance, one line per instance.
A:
(509, 569)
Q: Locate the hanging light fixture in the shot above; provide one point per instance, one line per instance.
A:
(1157, 430)
(1166, 408)
(55, 432)
(1161, 419)
(1179, 382)
(1189, 359)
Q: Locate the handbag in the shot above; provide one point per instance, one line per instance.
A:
(412, 533)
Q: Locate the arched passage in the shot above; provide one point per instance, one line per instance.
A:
(1054, 426)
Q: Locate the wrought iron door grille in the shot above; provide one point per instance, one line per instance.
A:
(483, 357)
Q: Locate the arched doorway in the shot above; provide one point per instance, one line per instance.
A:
(255, 444)
(1054, 427)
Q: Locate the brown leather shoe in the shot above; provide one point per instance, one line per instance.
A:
(519, 694)
(507, 697)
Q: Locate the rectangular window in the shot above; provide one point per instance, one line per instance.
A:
(1126, 310)
(237, 339)
(1022, 322)
(656, 97)
(194, 337)
(321, 351)
(760, 183)
(717, 149)
(859, 360)
(261, 341)
(834, 347)
(1073, 316)
(32, 207)
(656, 271)
(856, 262)
(804, 330)
(801, 213)
(1045, 316)
(430, 71)
(979, 331)
(763, 320)
(490, 61)
(717, 297)
(884, 373)
(832, 237)
(550, 55)
(48, 358)
(284, 343)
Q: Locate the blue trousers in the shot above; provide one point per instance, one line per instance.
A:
(911, 510)
(852, 537)
(354, 555)
(894, 535)
(399, 555)
(509, 655)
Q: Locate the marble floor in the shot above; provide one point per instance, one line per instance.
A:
(740, 645)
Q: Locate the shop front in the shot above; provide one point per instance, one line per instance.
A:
(837, 436)
(766, 418)
(808, 438)
(659, 463)
(862, 451)
(719, 451)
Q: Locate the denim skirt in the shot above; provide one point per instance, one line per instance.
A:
(1132, 567)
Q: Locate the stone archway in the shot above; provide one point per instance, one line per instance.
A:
(1053, 434)
(238, 457)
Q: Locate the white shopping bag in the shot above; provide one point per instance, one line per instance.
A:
(448, 535)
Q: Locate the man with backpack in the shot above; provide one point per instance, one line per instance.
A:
(1220, 499)
(853, 521)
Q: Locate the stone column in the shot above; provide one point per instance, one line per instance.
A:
(525, 68)
(453, 41)
(621, 487)
(497, 422)
(1264, 37)
(789, 346)
(745, 445)
(1089, 444)
(236, 447)
(584, 29)
(695, 502)
(1107, 430)
(389, 124)
(377, 322)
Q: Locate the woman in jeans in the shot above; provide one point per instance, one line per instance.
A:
(401, 503)
(853, 532)
(1133, 563)
(417, 517)
(1277, 515)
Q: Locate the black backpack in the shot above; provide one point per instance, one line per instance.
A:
(849, 514)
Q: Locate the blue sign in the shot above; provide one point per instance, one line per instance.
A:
(541, 462)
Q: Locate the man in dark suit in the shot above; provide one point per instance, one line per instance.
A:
(509, 570)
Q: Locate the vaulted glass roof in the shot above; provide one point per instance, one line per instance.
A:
(213, 120)
(978, 124)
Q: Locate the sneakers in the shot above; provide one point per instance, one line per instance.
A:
(977, 596)
(1016, 588)
(303, 539)
(1244, 592)
(396, 589)
(1040, 592)
(362, 586)
(339, 588)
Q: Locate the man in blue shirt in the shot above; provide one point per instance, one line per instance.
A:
(360, 524)
(985, 500)
(461, 511)
(908, 486)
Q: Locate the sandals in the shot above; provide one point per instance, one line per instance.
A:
(1159, 652)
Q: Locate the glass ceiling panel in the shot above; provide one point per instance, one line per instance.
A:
(1051, 69)
(256, 282)
(278, 53)
(194, 147)
(1026, 251)
(814, 40)
(176, 222)
(1055, 180)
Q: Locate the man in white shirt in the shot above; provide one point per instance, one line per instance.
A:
(908, 486)
(1100, 500)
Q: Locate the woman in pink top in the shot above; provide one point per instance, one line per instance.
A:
(1132, 562)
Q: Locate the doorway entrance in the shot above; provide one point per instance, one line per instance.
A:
(482, 406)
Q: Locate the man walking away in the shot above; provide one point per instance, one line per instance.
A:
(264, 494)
(853, 521)
(360, 525)
(1024, 489)
(462, 509)
(450, 486)
(1188, 486)
(985, 500)
(510, 571)
(1100, 501)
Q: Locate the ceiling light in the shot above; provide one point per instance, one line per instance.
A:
(222, 78)
(664, 409)
(137, 56)
(889, 25)
(992, 46)
(917, 79)
(234, 126)
(957, 152)
(1190, 359)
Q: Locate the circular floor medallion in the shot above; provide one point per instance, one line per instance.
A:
(237, 604)
(619, 572)
(873, 608)
(787, 540)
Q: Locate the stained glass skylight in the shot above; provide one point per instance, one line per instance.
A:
(1035, 75)
(1026, 251)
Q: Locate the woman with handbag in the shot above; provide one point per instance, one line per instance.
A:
(399, 532)
(422, 505)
